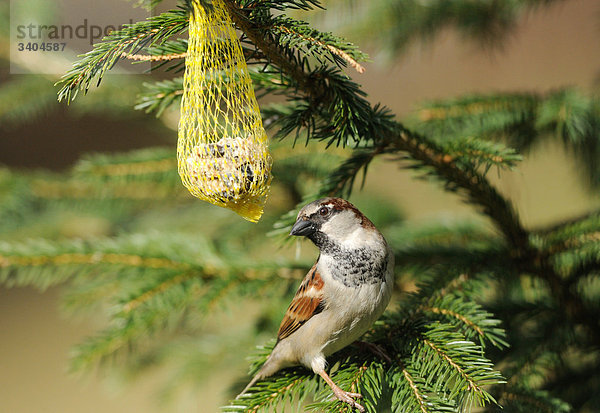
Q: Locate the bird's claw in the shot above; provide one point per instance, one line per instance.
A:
(348, 397)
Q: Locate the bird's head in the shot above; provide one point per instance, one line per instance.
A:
(333, 220)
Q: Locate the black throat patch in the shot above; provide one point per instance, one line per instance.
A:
(356, 266)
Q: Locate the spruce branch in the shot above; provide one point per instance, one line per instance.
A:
(454, 315)
(41, 263)
(480, 154)
(568, 234)
(521, 400)
(402, 22)
(474, 322)
(382, 128)
(411, 393)
(154, 58)
(433, 365)
(153, 284)
(468, 381)
(24, 98)
(293, 385)
(281, 5)
(297, 34)
(420, 398)
(171, 52)
(452, 261)
(136, 301)
(265, 43)
(159, 96)
(479, 191)
(118, 44)
(79, 259)
(532, 364)
(141, 315)
(522, 120)
(477, 188)
(80, 190)
(149, 163)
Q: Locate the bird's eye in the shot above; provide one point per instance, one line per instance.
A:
(323, 211)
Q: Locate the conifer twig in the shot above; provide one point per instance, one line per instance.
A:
(458, 316)
(94, 258)
(415, 390)
(268, 47)
(336, 51)
(153, 58)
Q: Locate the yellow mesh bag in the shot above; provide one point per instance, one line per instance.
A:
(222, 151)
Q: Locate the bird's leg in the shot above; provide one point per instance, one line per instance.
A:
(375, 349)
(342, 395)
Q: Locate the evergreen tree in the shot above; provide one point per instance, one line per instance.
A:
(499, 319)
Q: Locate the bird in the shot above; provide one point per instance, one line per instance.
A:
(341, 296)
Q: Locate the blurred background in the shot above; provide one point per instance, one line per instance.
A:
(549, 48)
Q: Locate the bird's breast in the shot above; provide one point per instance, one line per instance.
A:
(353, 312)
(356, 267)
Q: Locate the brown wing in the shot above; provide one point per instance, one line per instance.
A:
(307, 302)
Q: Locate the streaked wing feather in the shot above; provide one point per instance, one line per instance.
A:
(307, 302)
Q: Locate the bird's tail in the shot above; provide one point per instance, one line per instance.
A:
(270, 367)
(256, 378)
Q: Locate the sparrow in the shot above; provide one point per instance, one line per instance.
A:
(341, 296)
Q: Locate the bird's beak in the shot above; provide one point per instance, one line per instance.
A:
(303, 228)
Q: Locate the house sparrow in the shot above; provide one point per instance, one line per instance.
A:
(346, 290)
